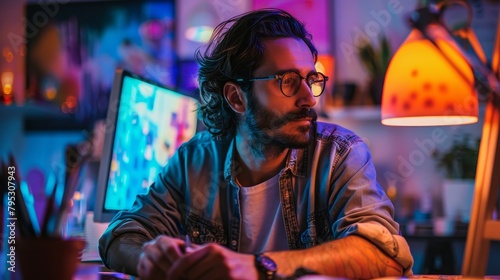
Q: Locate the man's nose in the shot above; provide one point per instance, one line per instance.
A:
(305, 96)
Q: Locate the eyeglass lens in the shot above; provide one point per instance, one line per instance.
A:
(290, 83)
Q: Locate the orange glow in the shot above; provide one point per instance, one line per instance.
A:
(7, 54)
(7, 80)
(325, 65)
(69, 106)
(77, 196)
(7, 89)
(50, 93)
(422, 88)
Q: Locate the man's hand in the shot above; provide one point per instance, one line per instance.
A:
(168, 258)
(158, 256)
(213, 261)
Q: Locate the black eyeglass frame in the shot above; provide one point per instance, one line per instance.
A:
(280, 78)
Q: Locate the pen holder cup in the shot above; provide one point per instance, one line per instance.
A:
(49, 258)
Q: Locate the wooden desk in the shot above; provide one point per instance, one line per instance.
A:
(92, 271)
(449, 277)
(96, 271)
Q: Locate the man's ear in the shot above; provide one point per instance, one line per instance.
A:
(235, 97)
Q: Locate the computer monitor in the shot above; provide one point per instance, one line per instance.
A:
(145, 124)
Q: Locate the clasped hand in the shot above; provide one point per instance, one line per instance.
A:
(168, 258)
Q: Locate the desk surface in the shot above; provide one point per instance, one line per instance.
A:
(451, 277)
(95, 271)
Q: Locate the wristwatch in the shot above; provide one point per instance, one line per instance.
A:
(266, 265)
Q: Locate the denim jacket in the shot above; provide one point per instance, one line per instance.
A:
(327, 190)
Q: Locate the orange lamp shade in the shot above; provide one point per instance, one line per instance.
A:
(426, 86)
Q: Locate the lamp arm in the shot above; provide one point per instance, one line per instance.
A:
(486, 80)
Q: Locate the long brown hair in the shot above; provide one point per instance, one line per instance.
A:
(236, 50)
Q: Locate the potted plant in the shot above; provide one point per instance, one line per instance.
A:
(459, 163)
(460, 159)
(376, 62)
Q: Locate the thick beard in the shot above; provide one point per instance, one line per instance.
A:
(264, 128)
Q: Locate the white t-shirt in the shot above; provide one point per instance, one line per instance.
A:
(262, 226)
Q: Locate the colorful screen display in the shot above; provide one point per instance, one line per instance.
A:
(147, 123)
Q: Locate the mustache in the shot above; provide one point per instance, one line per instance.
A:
(296, 116)
(302, 114)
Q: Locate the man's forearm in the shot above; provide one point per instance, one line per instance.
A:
(123, 254)
(351, 257)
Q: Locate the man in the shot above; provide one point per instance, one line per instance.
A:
(266, 191)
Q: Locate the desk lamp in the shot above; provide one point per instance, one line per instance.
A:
(436, 78)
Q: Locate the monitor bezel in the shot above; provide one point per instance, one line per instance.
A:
(102, 215)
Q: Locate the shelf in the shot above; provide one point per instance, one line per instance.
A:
(357, 113)
(36, 117)
(31, 110)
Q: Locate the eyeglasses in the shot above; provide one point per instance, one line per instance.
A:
(290, 82)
